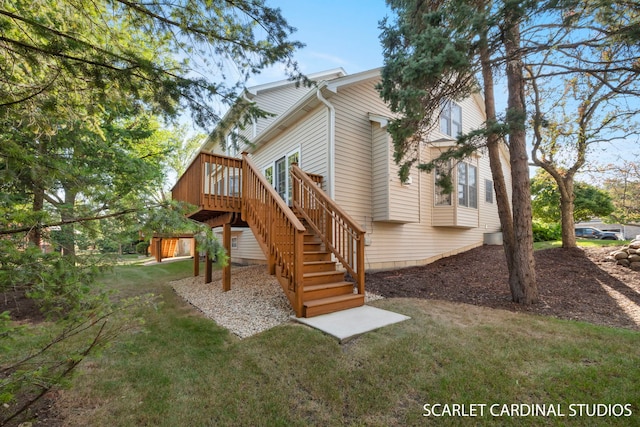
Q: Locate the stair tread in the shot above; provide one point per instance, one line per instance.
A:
(323, 273)
(319, 262)
(308, 288)
(333, 299)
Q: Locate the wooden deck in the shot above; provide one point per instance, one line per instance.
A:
(302, 248)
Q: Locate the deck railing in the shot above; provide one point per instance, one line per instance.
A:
(211, 182)
(277, 229)
(340, 234)
(189, 186)
(222, 186)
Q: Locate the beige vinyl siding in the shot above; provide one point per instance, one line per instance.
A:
(274, 101)
(401, 245)
(392, 201)
(248, 250)
(353, 147)
(309, 135)
(359, 167)
(277, 101)
(217, 149)
(380, 172)
(444, 216)
(489, 219)
(467, 217)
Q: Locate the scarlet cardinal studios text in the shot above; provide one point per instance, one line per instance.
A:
(526, 410)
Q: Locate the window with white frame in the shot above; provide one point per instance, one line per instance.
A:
(268, 173)
(234, 243)
(277, 174)
(488, 191)
(467, 185)
(442, 172)
(451, 119)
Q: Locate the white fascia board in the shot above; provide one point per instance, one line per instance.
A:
(334, 85)
(377, 118)
(322, 75)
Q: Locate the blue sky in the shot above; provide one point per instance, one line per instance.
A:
(345, 33)
(337, 33)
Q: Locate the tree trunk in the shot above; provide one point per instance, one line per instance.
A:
(566, 208)
(525, 291)
(35, 234)
(67, 233)
(495, 163)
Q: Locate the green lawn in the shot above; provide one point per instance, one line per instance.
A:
(183, 369)
(581, 242)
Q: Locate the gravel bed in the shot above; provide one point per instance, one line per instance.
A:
(254, 304)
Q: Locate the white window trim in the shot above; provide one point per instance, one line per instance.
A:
(447, 108)
(488, 192)
(272, 165)
(467, 186)
(437, 193)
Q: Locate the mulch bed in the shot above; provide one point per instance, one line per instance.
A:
(576, 284)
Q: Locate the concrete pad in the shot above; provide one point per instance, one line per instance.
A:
(350, 323)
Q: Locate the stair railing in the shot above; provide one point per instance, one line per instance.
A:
(339, 232)
(278, 230)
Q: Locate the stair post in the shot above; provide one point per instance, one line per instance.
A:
(271, 261)
(298, 270)
(243, 186)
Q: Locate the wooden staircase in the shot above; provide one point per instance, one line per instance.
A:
(303, 249)
(324, 287)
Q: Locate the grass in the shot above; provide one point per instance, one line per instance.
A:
(183, 369)
(581, 242)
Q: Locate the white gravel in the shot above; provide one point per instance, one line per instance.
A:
(255, 303)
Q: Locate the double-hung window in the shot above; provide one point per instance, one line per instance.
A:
(467, 185)
(488, 191)
(451, 119)
(442, 172)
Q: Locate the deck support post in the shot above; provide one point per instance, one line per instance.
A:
(196, 258)
(208, 269)
(226, 270)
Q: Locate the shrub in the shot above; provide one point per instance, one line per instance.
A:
(142, 248)
(544, 232)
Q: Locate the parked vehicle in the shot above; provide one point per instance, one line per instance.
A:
(594, 233)
(588, 233)
(610, 235)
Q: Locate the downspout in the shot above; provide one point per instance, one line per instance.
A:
(332, 144)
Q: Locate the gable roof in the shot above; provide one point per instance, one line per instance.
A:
(309, 101)
(251, 92)
(327, 83)
(334, 73)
